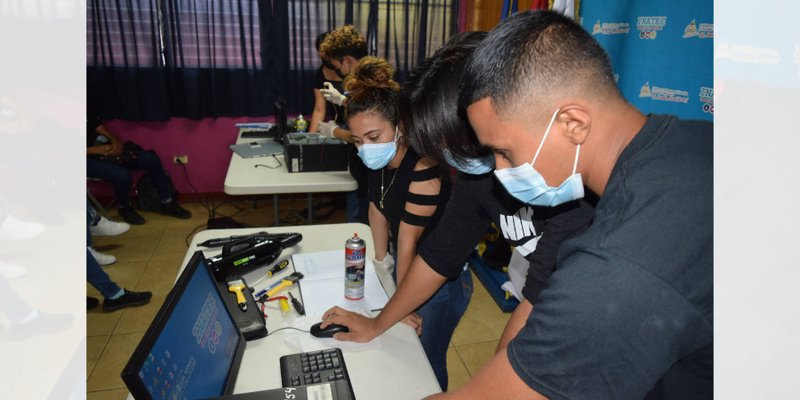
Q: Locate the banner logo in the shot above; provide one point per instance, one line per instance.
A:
(610, 28)
(707, 98)
(648, 26)
(663, 94)
(705, 31)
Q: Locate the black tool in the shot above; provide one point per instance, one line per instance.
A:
(297, 306)
(231, 239)
(285, 239)
(242, 257)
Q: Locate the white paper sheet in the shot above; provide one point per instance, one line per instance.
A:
(323, 284)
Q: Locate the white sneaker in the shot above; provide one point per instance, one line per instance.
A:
(107, 227)
(14, 229)
(11, 271)
(103, 259)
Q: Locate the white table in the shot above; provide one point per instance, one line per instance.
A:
(398, 369)
(245, 178)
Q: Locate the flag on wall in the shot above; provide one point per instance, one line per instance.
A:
(662, 52)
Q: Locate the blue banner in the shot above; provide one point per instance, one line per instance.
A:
(662, 52)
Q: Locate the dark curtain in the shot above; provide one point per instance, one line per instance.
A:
(154, 59)
(212, 58)
(125, 75)
(404, 32)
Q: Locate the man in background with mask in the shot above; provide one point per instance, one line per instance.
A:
(343, 49)
(628, 313)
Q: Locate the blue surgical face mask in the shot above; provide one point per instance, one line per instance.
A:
(529, 186)
(377, 155)
(473, 166)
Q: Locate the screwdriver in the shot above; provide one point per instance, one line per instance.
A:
(297, 306)
(280, 266)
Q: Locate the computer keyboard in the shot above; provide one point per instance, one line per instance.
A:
(259, 133)
(315, 367)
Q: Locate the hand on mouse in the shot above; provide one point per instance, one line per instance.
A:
(415, 321)
(362, 329)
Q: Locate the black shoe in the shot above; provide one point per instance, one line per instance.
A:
(129, 299)
(130, 215)
(173, 209)
(91, 302)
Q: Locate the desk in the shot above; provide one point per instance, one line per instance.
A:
(244, 178)
(398, 369)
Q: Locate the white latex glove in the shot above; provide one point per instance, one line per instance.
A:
(326, 128)
(387, 264)
(332, 95)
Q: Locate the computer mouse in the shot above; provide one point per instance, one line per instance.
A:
(329, 330)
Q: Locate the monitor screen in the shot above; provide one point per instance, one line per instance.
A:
(280, 120)
(192, 349)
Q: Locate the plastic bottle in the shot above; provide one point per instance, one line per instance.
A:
(300, 125)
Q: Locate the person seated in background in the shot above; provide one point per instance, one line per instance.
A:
(407, 198)
(102, 226)
(322, 108)
(342, 49)
(111, 160)
(114, 297)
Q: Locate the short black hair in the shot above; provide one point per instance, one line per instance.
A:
(536, 54)
(320, 39)
(429, 109)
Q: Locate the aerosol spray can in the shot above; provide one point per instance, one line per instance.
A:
(355, 255)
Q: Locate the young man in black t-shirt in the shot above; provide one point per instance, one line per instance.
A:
(628, 313)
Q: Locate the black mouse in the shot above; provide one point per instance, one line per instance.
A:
(329, 331)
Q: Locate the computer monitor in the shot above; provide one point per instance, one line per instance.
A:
(281, 127)
(192, 349)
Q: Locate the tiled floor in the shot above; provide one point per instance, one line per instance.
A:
(149, 257)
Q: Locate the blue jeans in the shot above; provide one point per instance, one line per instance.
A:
(120, 177)
(357, 207)
(94, 273)
(99, 278)
(440, 316)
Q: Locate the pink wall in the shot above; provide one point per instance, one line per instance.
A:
(205, 141)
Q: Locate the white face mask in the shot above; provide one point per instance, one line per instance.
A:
(377, 155)
(473, 166)
(528, 185)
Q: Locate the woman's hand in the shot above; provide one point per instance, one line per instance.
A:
(415, 321)
(362, 329)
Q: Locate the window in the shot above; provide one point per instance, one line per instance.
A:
(397, 30)
(126, 35)
(181, 33)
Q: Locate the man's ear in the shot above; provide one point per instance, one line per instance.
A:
(577, 120)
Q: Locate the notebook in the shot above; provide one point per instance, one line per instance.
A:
(262, 148)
